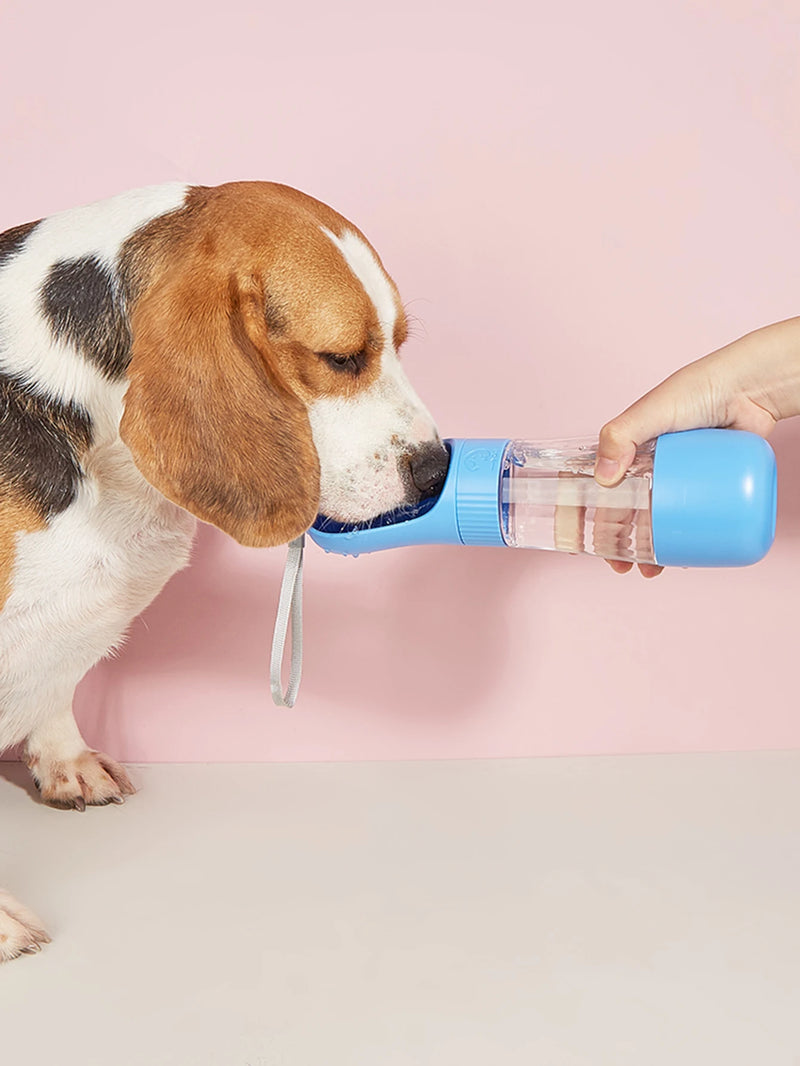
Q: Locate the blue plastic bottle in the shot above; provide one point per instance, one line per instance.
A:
(706, 497)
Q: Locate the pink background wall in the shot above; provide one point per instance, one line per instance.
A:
(575, 198)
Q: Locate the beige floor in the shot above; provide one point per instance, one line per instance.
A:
(639, 910)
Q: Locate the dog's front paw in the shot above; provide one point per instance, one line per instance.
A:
(21, 932)
(89, 779)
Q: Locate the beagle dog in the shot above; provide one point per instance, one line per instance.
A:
(176, 353)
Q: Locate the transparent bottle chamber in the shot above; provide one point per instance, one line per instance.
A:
(550, 500)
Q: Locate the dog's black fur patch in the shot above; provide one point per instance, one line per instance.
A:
(12, 240)
(80, 302)
(40, 440)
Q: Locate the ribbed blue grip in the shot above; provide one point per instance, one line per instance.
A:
(477, 478)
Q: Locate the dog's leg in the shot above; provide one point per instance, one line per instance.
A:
(74, 605)
(21, 932)
(66, 771)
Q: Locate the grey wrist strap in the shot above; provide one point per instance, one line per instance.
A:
(290, 606)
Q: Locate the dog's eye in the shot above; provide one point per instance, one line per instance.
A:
(348, 364)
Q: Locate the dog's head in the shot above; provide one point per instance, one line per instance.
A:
(264, 383)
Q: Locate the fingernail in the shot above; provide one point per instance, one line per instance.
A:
(606, 470)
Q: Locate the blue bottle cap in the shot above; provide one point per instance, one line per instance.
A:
(714, 499)
(466, 511)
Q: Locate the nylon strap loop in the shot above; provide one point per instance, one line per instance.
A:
(290, 608)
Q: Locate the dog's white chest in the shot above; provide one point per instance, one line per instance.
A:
(79, 582)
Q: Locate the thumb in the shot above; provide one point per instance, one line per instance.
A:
(615, 451)
(683, 401)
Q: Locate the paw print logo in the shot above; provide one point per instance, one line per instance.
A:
(477, 458)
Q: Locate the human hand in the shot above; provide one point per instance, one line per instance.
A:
(750, 384)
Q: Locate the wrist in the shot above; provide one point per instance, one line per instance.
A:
(768, 369)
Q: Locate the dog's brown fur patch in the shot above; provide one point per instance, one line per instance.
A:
(17, 515)
(232, 300)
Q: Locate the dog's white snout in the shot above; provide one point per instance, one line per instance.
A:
(423, 429)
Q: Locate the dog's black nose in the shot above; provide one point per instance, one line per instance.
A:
(428, 464)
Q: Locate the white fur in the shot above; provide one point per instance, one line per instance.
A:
(21, 932)
(361, 441)
(77, 584)
(361, 260)
(27, 347)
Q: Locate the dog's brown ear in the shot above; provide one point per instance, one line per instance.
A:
(207, 417)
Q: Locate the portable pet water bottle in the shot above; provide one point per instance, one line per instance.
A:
(704, 497)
